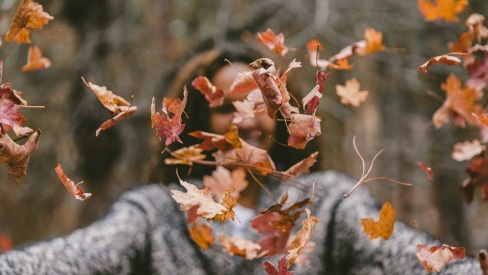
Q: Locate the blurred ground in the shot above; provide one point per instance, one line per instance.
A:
(130, 45)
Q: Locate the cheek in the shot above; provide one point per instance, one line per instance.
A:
(219, 123)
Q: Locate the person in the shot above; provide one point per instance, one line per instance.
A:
(146, 233)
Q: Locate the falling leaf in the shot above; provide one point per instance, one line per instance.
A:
(186, 156)
(244, 110)
(282, 268)
(312, 99)
(29, 15)
(427, 170)
(35, 60)
(229, 202)
(272, 41)
(242, 84)
(467, 150)
(74, 189)
(271, 90)
(313, 49)
(442, 9)
(117, 118)
(222, 180)
(435, 258)
(478, 177)
(444, 59)
(214, 95)
(167, 126)
(384, 226)
(17, 156)
(109, 100)
(302, 129)
(303, 236)
(350, 93)
(10, 117)
(240, 247)
(300, 167)
(374, 42)
(475, 24)
(207, 207)
(478, 72)
(201, 234)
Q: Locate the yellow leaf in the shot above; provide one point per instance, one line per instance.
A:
(382, 228)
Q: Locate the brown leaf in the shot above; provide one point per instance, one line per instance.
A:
(222, 180)
(444, 59)
(35, 60)
(17, 156)
(229, 202)
(435, 258)
(29, 15)
(384, 226)
(350, 93)
(303, 236)
(167, 126)
(74, 189)
(109, 100)
(240, 247)
(300, 167)
(186, 156)
(202, 235)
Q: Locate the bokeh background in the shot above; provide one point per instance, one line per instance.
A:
(129, 46)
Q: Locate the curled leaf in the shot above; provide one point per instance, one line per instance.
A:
(74, 189)
(240, 247)
(35, 60)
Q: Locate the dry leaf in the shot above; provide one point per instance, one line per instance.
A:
(29, 15)
(435, 258)
(303, 236)
(214, 95)
(240, 247)
(427, 170)
(17, 156)
(272, 41)
(74, 189)
(350, 93)
(302, 129)
(10, 117)
(35, 60)
(186, 156)
(167, 126)
(374, 42)
(384, 226)
(444, 59)
(229, 202)
(467, 150)
(300, 167)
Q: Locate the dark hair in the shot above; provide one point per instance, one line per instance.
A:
(207, 63)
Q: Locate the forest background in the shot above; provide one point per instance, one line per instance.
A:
(129, 46)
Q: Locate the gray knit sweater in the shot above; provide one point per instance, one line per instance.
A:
(145, 233)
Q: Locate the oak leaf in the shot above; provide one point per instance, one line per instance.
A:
(201, 234)
(214, 95)
(467, 150)
(17, 156)
(29, 15)
(74, 189)
(35, 60)
(169, 126)
(282, 268)
(442, 9)
(273, 41)
(302, 237)
(109, 100)
(222, 180)
(350, 93)
(436, 257)
(241, 247)
(384, 226)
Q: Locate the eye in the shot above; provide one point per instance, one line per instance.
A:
(226, 108)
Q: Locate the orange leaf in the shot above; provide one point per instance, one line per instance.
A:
(186, 156)
(444, 59)
(214, 95)
(74, 189)
(373, 42)
(384, 226)
(202, 235)
(109, 100)
(436, 257)
(222, 180)
(350, 93)
(29, 15)
(229, 202)
(442, 9)
(302, 237)
(272, 41)
(240, 247)
(35, 60)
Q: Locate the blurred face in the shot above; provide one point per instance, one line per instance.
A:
(255, 131)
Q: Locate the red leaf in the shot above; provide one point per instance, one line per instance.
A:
(213, 94)
(168, 126)
(74, 189)
(272, 41)
(282, 268)
(426, 169)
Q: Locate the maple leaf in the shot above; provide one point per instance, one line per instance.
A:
(229, 202)
(427, 170)
(444, 59)
(475, 24)
(459, 104)
(350, 93)
(384, 226)
(74, 189)
(202, 235)
(272, 41)
(241, 247)
(214, 95)
(467, 150)
(373, 44)
(300, 167)
(282, 268)
(186, 156)
(17, 156)
(302, 237)
(442, 9)
(302, 129)
(436, 257)
(207, 207)
(35, 60)
(29, 15)
(277, 224)
(10, 117)
(478, 177)
(222, 180)
(169, 127)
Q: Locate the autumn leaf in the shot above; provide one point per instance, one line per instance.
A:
(167, 126)
(241, 247)
(302, 237)
(207, 207)
(460, 104)
(109, 100)
(222, 180)
(436, 257)
(282, 268)
(229, 202)
(201, 234)
(312, 99)
(186, 156)
(269, 86)
(427, 170)
(373, 41)
(313, 49)
(272, 41)
(384, 226)
(214, 95)
(475, 24)
(300, 167)
(74, 189)
(10, 117)
(442, 9)
(478, 72)
(302, 129)
(35, 60)
(117, 118)
(242, 84)
(350, 93)
(446, 59)
(17, 156)
(29, 15)
(478, 177)
(244, 110)
(467, 150)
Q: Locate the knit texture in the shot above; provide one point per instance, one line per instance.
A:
(146, 233)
